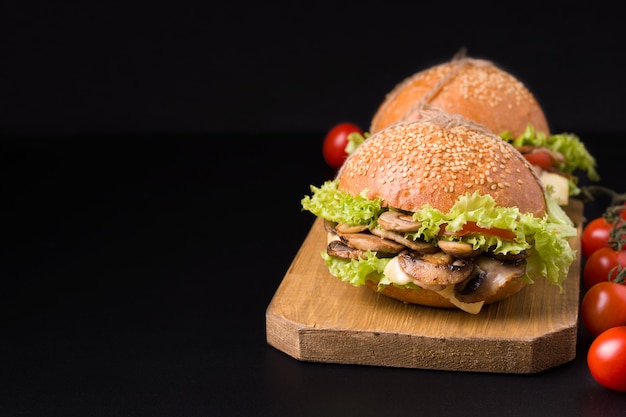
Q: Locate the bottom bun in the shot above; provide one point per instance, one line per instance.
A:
(432, 299)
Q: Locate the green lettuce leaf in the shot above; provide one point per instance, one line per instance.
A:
(549, 236)
(356, 271)
(577, 157)
(354, 140)
(331, 204)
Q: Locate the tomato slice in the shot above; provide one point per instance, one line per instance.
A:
(473, 228)
(539, 158)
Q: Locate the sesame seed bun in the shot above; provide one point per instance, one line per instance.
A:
(473, 88)
(437, 159)
(434, 161)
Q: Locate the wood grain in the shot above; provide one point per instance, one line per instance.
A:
(315, 317)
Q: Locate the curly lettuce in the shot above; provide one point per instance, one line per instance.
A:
(577, 157)
(354, 140)
(331, 204)
(548, 236)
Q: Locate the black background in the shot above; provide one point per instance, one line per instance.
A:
(197, 66)
(152, 164)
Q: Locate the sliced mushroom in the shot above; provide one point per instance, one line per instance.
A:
(339, 249)
(417, 245)
(347, 228)
(330, 227)
(488, 278)
(458, 249)
(367, 241)
(399, 222)
(435, 269)
(508, 257)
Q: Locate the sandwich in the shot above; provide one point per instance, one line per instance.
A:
(480, 91)
(441, 212)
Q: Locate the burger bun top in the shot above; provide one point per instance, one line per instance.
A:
(473, 88)
(437, 159)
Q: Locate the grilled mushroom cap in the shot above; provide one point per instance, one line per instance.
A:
(490, 276)
(434, 269)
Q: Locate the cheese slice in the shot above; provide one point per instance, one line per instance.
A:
(331, 237)
(560, 184)
(472, 308)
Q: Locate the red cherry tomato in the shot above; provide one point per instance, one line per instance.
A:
(603, 265)
(335, 141)
(595, 236)
(606, 358)
(604, 306)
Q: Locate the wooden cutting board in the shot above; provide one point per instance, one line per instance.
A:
(315, 317)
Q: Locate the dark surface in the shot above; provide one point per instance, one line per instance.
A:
(204, 66)
(136, 271)
(136, 266)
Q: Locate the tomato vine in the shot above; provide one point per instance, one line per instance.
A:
(603, 307)
(604, 239)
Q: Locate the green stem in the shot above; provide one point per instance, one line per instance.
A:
(620, 274)
(589, 192)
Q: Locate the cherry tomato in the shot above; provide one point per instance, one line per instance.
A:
(335, 141)
(603, 265)
(604, 306)
(595, 236)
(606, 358)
